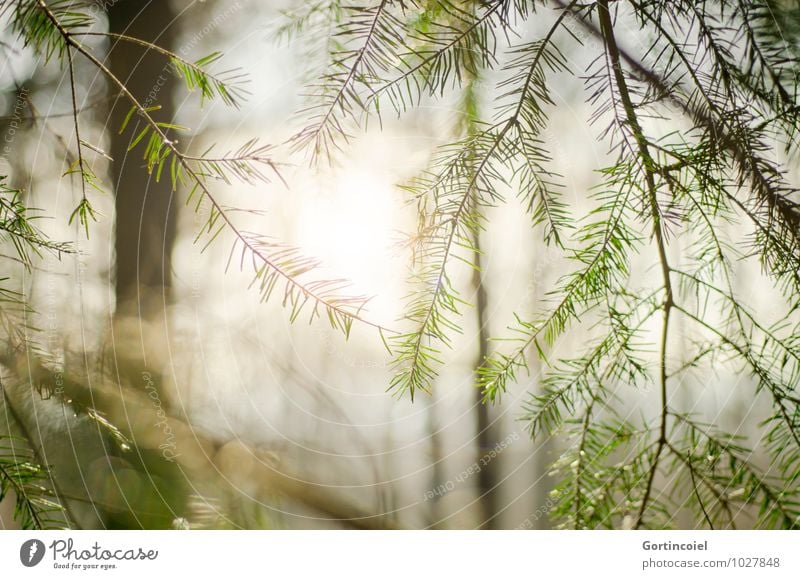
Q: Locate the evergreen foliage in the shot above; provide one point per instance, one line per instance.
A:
(722, 188)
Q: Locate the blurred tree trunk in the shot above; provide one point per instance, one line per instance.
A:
(436, 514)
(145, 212)
(145, 225)
(485, 437)
(546, 448)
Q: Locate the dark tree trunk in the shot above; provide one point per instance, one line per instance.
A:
(485, 431)
(144, 237)
(145, 221)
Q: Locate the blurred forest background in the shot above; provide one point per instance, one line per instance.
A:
(209, 408)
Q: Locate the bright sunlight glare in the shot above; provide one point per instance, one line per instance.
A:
(350, 228)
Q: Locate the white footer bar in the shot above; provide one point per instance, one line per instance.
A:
(406, 554)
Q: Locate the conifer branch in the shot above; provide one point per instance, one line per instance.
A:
(324, 297)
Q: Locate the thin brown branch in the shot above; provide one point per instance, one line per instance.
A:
(607, 30)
